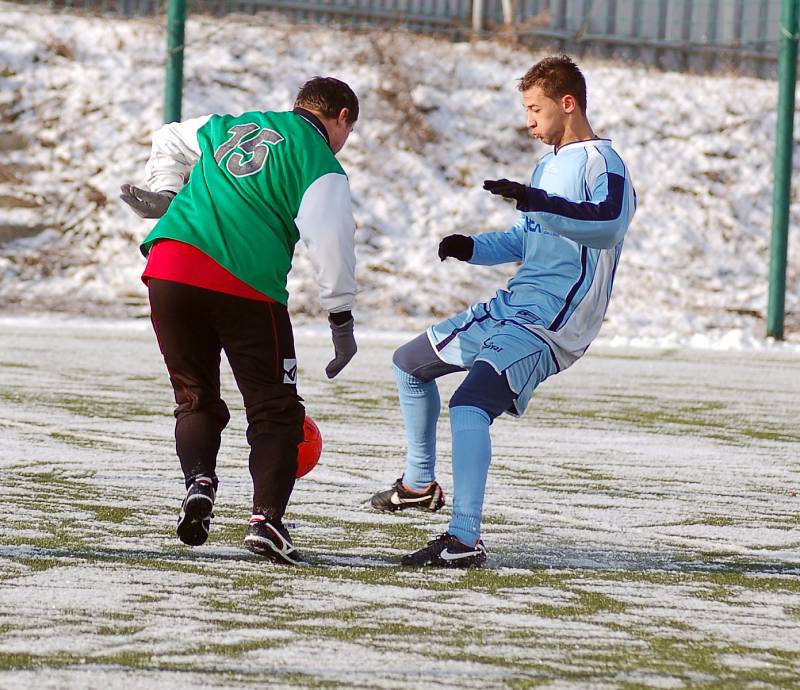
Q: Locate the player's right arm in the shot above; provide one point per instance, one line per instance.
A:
(174, 152)
(491, 248)
(488, 248)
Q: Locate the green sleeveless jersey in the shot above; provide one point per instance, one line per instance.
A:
(245, 192)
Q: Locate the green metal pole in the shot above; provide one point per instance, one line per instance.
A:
(176, 19)
(787, 74)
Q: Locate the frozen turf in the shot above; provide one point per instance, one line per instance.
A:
(642, 521)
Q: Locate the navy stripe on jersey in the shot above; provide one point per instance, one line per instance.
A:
(571, 295)
(552, 354)
(608, 209)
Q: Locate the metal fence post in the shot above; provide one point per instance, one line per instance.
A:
(787, 74)
(477, 16)
(173, 89)
(508, 12)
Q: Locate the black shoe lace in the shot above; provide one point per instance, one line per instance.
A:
(444, 536)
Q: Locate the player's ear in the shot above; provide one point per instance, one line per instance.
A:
(568, 103)
(344, 113)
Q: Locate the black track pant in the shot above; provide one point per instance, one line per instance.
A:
(193, 326)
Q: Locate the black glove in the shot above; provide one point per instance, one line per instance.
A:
(144, 203)
(507, 189)
(458, 246)
(344, 342)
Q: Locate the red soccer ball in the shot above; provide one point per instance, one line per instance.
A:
(309, 449)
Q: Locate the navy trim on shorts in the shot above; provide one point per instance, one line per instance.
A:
(449, 339)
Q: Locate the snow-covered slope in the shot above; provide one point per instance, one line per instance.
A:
(81, 96)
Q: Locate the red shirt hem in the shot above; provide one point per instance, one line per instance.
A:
(184, 263)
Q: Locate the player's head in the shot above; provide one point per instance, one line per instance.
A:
(334, 102)
(553, 93)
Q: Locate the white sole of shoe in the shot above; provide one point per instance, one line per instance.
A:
(266, 547)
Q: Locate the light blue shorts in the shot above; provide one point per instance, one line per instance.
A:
(504, 343)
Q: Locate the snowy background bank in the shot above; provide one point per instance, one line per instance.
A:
(80, 97)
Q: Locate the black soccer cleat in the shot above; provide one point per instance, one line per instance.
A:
(194, 521)
(447, 552)
(400, 498)
(271, 540)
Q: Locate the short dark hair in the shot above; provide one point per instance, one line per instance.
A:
(556, 76)
(328, 96)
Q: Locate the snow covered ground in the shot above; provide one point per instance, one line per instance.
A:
(80, 97)
(643, 523)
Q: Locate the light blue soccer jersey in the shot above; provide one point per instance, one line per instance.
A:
(569, 239)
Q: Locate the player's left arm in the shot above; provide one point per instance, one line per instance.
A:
(599, 222)
(327, 227)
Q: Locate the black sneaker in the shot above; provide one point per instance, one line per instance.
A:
(400, 498)
(271, 540)
(447, 552)
(194, 521)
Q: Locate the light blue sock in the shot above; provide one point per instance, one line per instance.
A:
(420, 404)
(472, 453)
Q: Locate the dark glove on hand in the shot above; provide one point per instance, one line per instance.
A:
(507, 189)
(144, 203)
(458, 246)
(344, 342)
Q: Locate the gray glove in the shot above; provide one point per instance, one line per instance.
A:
(344, 343)
(144, 203)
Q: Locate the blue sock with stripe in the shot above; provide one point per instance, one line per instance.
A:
(472, 453)
(420, 405)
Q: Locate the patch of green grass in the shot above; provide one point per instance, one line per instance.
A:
(349, 534)
(40, 564)
(526, 683)
(64, 540)
(758, 583)
(712, 520)
(122, 630)
(589, 473)
(140, 378)
(18, 661)
(81, 441)
(227, 606)
(25, 661)
(127, 659)
(585, 604)
(358, 630)
(106, 513)
(719, 593)
(718, 521)
(487, 579)
(231, 534)
(149, 562)
(706, 418)
(236, 649)
(105, 408)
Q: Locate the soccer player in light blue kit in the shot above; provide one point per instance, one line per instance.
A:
(574, 216)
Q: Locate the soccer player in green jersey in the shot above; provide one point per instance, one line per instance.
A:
(217, 264)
